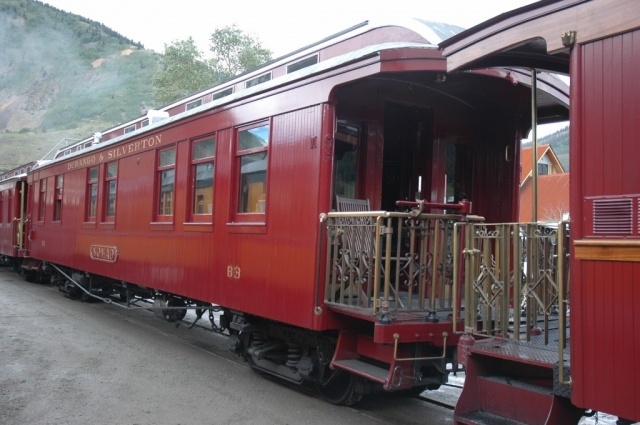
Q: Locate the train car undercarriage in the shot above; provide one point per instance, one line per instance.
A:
(293, 354)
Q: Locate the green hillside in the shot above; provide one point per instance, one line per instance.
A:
(64, 76)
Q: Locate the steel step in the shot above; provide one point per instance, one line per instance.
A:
(480, 417)
(358, 367)
(519, 384)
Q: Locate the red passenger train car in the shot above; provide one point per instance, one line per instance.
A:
(275, 196)
(597, 44)
(13, 210)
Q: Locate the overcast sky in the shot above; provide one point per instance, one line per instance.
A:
(281, 25)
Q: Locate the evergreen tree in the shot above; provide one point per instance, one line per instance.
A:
(183, 71)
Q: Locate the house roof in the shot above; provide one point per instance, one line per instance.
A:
(553, 197)
(526, 162)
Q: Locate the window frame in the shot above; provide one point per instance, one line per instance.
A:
(57, 197)
(258, 79)
(158, 216)
(106, 192)
(129, 129)
(249, 216)
(543, 169)
(192, 215)
(90, 183)
(42, 199)
(193, 104)
(296, 66)
(221, 93)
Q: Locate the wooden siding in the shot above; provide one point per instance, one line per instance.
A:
(605, 319)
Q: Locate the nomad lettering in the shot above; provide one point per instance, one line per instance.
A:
(108, 254)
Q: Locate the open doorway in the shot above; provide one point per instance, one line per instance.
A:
(408, 138)
(345, 159)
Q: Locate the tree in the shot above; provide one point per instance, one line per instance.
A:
(234, 52)
(183, 71)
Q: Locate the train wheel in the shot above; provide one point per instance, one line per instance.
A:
(83, 297)
(253, 366)
(340, 388)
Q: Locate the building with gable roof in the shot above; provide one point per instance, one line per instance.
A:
(553, 185)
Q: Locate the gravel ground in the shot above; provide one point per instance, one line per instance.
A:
(67, 362)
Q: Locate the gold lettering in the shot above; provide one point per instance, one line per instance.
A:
(117, 152)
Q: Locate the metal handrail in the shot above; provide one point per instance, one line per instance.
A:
(506, 266)
(562, 325)
(360, 274)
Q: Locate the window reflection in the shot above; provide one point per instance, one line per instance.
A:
(253, 182)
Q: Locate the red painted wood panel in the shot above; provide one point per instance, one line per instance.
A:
(277, 263)
(605, 320)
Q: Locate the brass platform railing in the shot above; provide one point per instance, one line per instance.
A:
(516, 279)
(390, 261)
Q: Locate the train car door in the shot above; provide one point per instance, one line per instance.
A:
(26, 201)
(348, 148)
(407, 158)
(20, 222)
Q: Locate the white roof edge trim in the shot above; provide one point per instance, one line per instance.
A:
(18, 177)
(410, 23)
(280, 81)
(44, 162)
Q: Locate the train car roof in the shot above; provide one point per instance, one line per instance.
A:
(432, 32)
(335, 62)
(529, 37)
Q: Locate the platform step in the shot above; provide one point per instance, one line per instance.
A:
(480, 417)
(358, 367)
(510, 383)
(501, 395)
(545, 390)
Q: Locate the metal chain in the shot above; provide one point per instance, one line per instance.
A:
(597, 418)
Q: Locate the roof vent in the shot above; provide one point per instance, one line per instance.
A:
(156, 116)
(613, 216)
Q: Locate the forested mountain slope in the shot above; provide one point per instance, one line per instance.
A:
(64, 76)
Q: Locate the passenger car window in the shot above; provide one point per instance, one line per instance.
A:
(166, 181)
(202, 173)
(252, 161)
